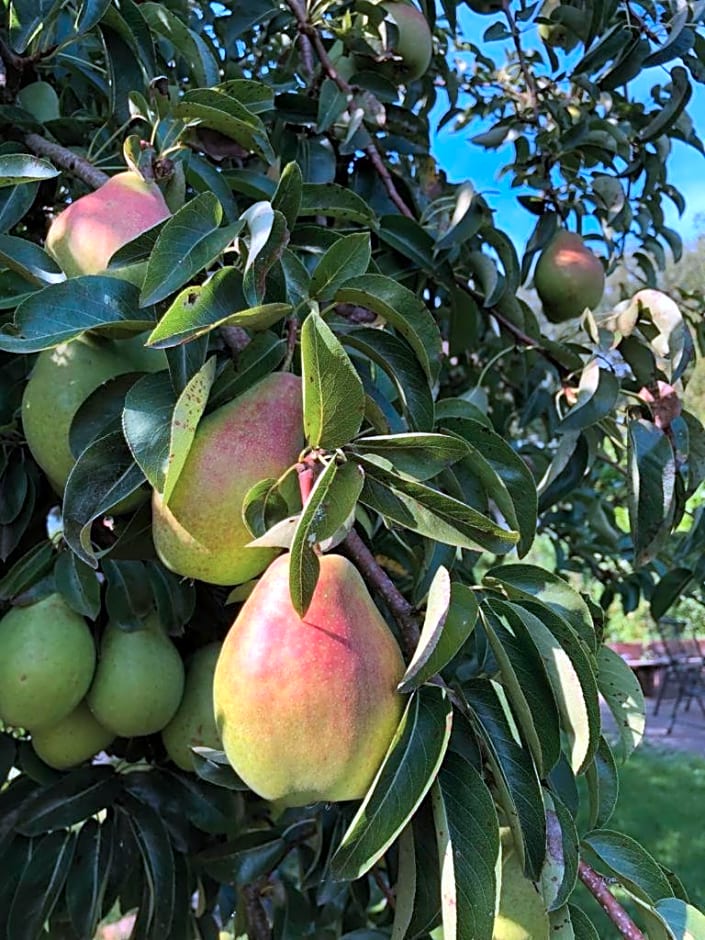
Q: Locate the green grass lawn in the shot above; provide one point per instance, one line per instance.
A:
(661, 805)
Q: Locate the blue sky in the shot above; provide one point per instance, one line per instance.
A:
(463, 161)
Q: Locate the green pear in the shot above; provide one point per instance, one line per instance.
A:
(568, 277)
(139, 681)
(307, 707)
(85, 235)
(62, 379)
(73, 740)
(414, 43)
(522, 913)
(193, 725)
(47, 660)
(201, 533)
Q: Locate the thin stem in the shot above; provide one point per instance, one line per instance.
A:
(257, 924)
(523, 64)
(597, 886)
(380, 581)
(67, 160)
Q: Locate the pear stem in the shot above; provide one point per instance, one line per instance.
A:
(597, 886)
(379, 580)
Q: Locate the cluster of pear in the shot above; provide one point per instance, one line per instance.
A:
(75, 703)
(305, 708)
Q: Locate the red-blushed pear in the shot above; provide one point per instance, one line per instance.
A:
(568, 277)
(414, 43)
(85, 235)
(47, 660)
(73, 740)
(307, 707)
(200, 533)
(193, 725)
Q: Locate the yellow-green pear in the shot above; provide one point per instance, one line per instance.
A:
(73, 740)
(47, 660)
(193, 725)
(568, 277)
(414, 43)
(307, 707)
(85, 235)
(62, 379)
(522, 913)
(139, 680)
(201, 533)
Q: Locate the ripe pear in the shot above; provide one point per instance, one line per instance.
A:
(62, 379)
(522, 913)
(568, 277)
(308, 707)
(84, 237)
(47, 660)
(201, 533)
(193, 725)
(414, 43)
(139, 681)
(73, 740)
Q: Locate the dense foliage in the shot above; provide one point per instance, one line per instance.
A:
(311, 230)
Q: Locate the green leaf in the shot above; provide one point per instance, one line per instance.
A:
(128, 596)
(403, 310)
(336, 201)
(17, 168)
(332, 102)
(146, 423)
(513, 771)
(603, 785)
(71, 799)
(40, 885)
(451, 615)
(334, 401)
(419, 455)
(528, 582)
(287, 197)
(669, 590)
(158, 857)
(408, 770)
(597, 394)
(667, 115)
(468, 844)
(204, 307)
(622, 692)
(630, 863)
(244, 859)
(411, 240)
(188, 44)
(429, 512)
(27, 570)
(190, 241)
(214, 108)
(347, 258)
(262, 355)
(29, 261)
(103, 476)
(78, 583)
(509, 631)
(684, 921)
(189, 408)
(62, 311)
(87, 879)
(583, 928)
(651, 487)
(15, 203)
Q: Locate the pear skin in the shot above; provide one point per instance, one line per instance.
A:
(73, 740)
(139, 680)
(62, 379)
(568, 278)
(307, 707)
(414, 43)
(84, 236)
(193, 725)
(522, 913)
(47, 660)
(201, 533)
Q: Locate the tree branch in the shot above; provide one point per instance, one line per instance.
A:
(597, 886)
(67, 160)
(257, 924)
(521, 58)
(308, 30)
(379, 580)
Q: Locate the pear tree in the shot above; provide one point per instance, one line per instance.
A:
(318, 481)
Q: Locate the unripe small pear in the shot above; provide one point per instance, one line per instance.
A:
(193, 725)
(568, 277)
(522, 912)
(85, 235)
(47, 660)
(307, 707)
(73, 740)
(139, 680)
